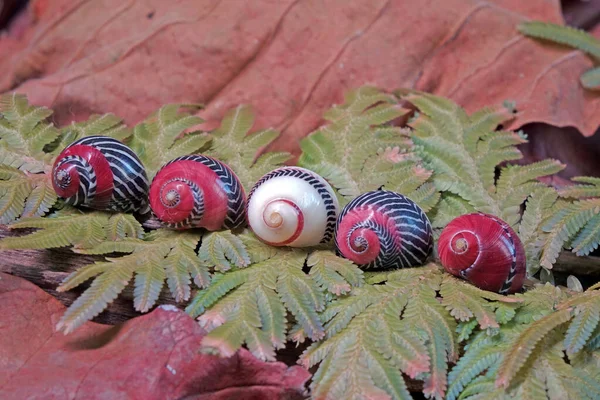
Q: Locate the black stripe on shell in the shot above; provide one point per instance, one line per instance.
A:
(236, 203)
(130, 182)
(408, 245)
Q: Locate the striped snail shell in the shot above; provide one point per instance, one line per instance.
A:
(485, 251)
(102, 173)
(198, 191)
(383, 230)
(292, 206)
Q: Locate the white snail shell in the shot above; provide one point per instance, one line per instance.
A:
(292, 206)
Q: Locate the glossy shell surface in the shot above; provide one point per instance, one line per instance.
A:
(198, 191)
(383, 230)
(485, 251)
(292, 206)
(101, 173)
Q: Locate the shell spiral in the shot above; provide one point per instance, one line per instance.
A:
(485, 251)
(198, 191)
(292, 206)
(101, 173)
(383, 230)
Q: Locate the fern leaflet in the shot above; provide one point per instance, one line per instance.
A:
(80, 230)
(160, 138)
(232, 143)
(359, 151)
(161, 255)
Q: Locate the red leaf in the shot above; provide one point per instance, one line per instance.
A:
(150, 357)
(292, 59)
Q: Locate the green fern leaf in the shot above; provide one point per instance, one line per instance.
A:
(522, 349)
(399, 325)
(464, 301)
(538, 207)
(464, 151)
(591, 79)
(591, 188)
(123, 225)
(149, 280)
(566, 35)
(160, 138)
(588, 239)
(480, 356)
(567, 222)
(104, 125)
(358, 151)
(272, 314)
(80, 230)
(302, 297)
(249, 305)
(232, 143)
(105, 288)
(23, 130)
(449, 207)
(257, 250)
(333, 273)
(222, 250)
(582, 326)
(221, 285)
(23, 194)
(162, 254)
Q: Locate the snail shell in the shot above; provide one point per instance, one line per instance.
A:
(102, 173)
(384, 230)
(197, 191)
(485, 251)
(292, 206)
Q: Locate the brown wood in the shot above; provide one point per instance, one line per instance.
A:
(570, 264)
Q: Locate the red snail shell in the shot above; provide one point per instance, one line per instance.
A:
(102, 173)
(485, 251)
(197, 191)
(386, 230)
(292, 206)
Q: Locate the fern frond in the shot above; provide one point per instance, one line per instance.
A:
(464, 152)
(525, 358)
(590, 188)
(160, 138)
(220, 285)
(537, 209)
(464, 301)
(80, 230)
(566, 35)
(582, 326)
(484, 351)
(590, 79)
(517, 356)
(517, 182)
(232, 143)
(222, 250)
(449, 207)
(400, 325)
(161, 255)
(334, 274)
(23, 194)
(105, 288)
(573, 220)
(104, 125)
(24, 130)
(120, 226)
(249, 305)
(358, 151)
